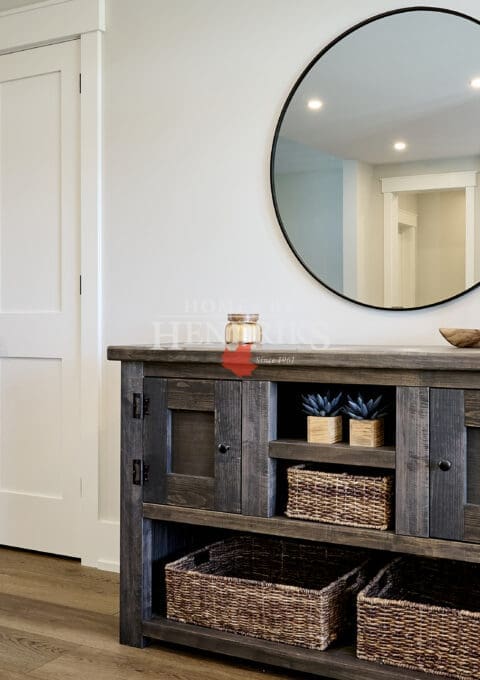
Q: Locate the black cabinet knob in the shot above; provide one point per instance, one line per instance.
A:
(223, 448)
(444, 465)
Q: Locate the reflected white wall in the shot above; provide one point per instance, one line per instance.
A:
(440, 245)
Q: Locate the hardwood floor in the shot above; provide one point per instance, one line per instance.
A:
(59, 621)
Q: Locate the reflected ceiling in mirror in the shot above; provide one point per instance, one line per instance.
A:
(375, 160)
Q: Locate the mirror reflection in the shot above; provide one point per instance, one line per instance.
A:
(375, 161)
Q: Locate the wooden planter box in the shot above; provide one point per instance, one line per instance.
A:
(366, 432)
(324, 429)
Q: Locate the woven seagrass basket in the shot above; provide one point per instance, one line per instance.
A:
(356, 500)
(422, 614)
(279, 590)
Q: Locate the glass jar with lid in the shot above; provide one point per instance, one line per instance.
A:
(243, 329)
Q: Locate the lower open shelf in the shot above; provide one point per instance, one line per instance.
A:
(337, 662)
(314, 531)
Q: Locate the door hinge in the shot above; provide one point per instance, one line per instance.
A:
(80, 284)
(140, 472)
(80, 83)
(141, 405)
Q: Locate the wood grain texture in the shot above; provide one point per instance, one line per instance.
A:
(338, 454)
(132, 537)
(157, 440)
(367, 432)
(473, 465)
(412, 462)
(462, 337)
(324, 430)
(191, 491)
(182, 444)
(472, 408)
(228, 432)
(92, 650)
(192, 443)
(154, 663)
(21, 652)
(259, 427)
(58, 642)
(468, 379)
(448, 443)
(472, 523)
(346, 356)
(196, 395)
(87, 593)
(416, 372)
(44, 578)
(337, 375)
(313, 531)
(61, 622)
(338, 662)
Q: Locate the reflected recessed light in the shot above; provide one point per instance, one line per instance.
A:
(475, 83)
(315, 104)
(399, 146)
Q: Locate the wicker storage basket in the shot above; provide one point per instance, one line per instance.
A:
(284, 591)
(357, 500)
(423, 614)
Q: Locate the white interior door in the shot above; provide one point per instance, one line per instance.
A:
(39, 299)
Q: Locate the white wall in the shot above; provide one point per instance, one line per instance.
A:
(193, 90)
(440, 244)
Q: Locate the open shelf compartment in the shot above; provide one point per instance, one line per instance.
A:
(172, 539)
(292, 421)
(338, 662)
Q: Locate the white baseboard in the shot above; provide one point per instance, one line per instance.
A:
(103, 549)
(108, 565)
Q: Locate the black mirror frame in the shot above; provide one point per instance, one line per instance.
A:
(283, 112)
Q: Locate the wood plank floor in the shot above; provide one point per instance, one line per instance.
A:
(59, 621)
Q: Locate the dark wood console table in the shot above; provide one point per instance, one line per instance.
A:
(204, 454)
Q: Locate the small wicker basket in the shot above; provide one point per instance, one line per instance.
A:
(279, 590)
(423, 614)
(357, 500)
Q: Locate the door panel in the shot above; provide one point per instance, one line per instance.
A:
(448, 463)
(192, 443)
(455, 464)
(39, 299)
(197, 457)
(30, 227)
(412, 474)
(472, 508)
(22, 471)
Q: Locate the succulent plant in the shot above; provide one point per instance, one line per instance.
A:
(318, 405)
(360, 409)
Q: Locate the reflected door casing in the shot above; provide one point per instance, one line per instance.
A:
(192, 443)
(39, 299)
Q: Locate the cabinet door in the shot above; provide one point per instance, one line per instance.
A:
(455, 464)
(192, 443)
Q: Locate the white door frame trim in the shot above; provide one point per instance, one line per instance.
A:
(35, 25)
(391, 187)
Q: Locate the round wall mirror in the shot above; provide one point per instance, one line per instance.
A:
(376, 157)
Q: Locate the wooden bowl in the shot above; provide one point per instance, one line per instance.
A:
(462, 337)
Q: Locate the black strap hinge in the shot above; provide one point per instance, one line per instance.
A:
(141, 405)
(140, 472)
